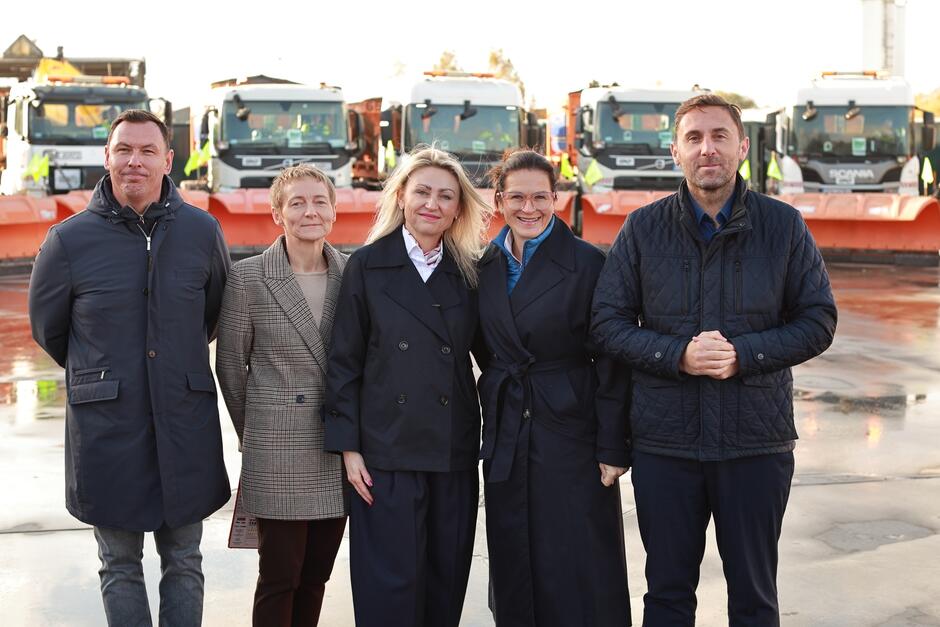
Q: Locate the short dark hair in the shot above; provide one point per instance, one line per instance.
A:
(140, 116)
(518, 159)
(710, 100)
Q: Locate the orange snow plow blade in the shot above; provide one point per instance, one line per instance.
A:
(24, 221)
(564, 209)
(871, 222)
(71, 203)
(76, 201)
(602, 215)
(245, 215)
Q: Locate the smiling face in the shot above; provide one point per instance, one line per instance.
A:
(527, 203)
(307, 215)
(430, 200)
(709, 149)
(137, 158)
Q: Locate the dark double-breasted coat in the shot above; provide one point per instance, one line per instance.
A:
(130, 319)
(400, 386)
(552, 410)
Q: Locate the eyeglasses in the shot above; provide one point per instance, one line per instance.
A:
(516, 200)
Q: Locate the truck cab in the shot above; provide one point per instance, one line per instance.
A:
(620, 138)
(474, 116)
(853, 132)
(56, 131)
(254, 130)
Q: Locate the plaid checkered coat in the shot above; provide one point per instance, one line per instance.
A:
(271, 361)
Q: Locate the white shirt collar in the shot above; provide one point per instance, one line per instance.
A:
(417, 255)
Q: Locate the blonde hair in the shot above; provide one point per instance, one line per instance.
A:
(293, 173)
(464, 238)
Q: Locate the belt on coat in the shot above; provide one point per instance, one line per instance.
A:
(514, 407)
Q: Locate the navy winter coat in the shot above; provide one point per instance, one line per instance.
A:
(761, 282)
(400, 387)
(131, 326)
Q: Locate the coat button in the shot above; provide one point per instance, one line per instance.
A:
(403, 345)
(760, 355)
(444, 401)
(300, 398)
(526, 414)
(445, 349)
(151, 354)
(658, 355)
(401, 399)
(334, 413)
(146, 291)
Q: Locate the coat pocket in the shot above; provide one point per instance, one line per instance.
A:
(656, 408)
(93, 392)
(199, 382)
(765, 410)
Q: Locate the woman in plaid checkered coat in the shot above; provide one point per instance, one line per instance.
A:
(274, 333)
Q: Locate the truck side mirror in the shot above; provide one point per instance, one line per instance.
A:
(532, 139)
(204, 129)
(928, 132)
(4, 131)
(358, 145)
(770, 131)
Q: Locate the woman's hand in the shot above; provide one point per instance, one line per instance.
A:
(609, 474)
(358, 475)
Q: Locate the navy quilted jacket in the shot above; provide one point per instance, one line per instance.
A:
(761, 281)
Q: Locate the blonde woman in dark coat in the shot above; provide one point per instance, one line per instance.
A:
(274, 333)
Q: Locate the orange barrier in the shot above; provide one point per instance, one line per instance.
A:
(602, 215)
(24, 221)
(876, 222)
(245, 215)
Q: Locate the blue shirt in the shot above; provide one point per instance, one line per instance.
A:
(514, 267)
(706, 225)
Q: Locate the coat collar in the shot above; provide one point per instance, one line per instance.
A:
(408, 289)
(739, 220)
(552, 262)
(103, 202)
(279, 278)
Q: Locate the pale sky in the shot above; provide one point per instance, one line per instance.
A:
(765, 49)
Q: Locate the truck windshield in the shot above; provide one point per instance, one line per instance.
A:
(640, 128)
(491, 130)
(873, 132)
(74, 123)
(285, 124)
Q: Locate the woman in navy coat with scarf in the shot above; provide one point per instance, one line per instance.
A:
(401, 405)
(555, 418)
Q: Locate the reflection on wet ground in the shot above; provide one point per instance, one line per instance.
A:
(877, 385)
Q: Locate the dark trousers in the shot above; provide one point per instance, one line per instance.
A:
(295, 561)
(675, 499)
(410, 552)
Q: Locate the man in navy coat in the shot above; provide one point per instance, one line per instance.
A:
(712, 294)
(125, 296)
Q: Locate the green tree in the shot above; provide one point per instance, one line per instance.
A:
(502, 67)
(742, 101)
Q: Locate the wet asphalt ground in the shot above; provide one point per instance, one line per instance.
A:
(860, 541)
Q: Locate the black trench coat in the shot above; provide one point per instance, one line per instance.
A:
(552, 410)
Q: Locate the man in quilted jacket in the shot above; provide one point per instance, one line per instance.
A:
(712, 294)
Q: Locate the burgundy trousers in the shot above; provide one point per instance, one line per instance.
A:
(295, 561)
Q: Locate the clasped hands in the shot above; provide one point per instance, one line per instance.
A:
(710, 354)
